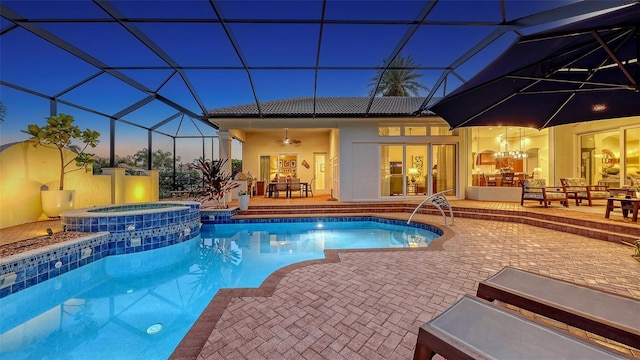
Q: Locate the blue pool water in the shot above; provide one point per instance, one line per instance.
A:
(139, 306)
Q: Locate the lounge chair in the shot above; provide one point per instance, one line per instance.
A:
(536, 189)
(473, 328)
(610, 315)
(577, 188)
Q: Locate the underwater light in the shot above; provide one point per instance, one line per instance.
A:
(154, 329)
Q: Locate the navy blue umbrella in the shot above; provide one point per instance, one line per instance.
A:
(587, 70)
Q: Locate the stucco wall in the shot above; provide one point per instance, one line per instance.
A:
(24, 169)
(360, 158)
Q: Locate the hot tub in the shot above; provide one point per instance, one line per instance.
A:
(138, 227)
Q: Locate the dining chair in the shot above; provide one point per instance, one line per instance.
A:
(295, 185)
(282, 185)
(508, 179)
(310, 186)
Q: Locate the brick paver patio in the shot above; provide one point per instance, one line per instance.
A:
(369, 305)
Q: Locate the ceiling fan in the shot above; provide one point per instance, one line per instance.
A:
(287, 140)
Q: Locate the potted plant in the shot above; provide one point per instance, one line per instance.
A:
(243, 196)
(216, 183)
(59, 133)
(636, 247)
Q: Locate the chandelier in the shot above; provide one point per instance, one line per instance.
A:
(514, 154)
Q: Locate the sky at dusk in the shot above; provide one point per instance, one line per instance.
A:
(282, 44)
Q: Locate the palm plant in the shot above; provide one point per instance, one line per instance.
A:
(400, 79)
(216, 183)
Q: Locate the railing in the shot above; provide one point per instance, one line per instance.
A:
(440, 202)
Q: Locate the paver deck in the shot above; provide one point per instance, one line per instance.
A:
(369, 305)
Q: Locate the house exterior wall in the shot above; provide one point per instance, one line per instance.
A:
(360, 159)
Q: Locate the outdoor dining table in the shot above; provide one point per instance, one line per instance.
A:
(271, 188)
(626, 204)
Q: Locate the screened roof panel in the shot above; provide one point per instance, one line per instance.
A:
(106, 42)
(193, 44)
(484, 57)
(467, 10)
(104, 94)
(150, 114)
(282, 84)
(21, 59)
(260, 10)
(150, 78)
(359, 46)
(195, 56)
(380, 11)
(426, 44)
(165, 9)
(47, 9)
(221, 88)
(177, 90)
(344, 82)
(284, 45)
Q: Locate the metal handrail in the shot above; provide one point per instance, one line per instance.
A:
(439, 201)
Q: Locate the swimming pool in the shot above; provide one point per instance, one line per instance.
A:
(141, 305)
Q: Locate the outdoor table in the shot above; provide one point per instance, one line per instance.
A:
(626, 204)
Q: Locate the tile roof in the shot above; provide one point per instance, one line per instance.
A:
(325, 107)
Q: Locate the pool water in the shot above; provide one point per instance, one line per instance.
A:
(140, 306)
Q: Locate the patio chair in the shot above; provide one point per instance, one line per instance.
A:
(282, 185)
(634, 179)
(310, 186)
(607, 314)
(536, 189)
(577, 188)
(295, 185)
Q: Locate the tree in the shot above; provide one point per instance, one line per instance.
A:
(399, 79)
(58, 133)
(160, 159)
(236, 165)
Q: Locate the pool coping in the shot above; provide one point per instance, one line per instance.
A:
(196, 338)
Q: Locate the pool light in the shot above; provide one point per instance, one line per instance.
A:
(154, 329)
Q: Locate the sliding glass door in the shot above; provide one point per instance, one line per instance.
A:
(418, 170)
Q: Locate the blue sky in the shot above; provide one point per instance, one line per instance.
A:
(287, 37)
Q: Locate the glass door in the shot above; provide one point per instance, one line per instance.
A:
(443, 169)
(417, 173)
(392, 176)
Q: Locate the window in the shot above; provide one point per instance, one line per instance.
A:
(415, 131)
(496, 150)
(437, 130)
(389, 130)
